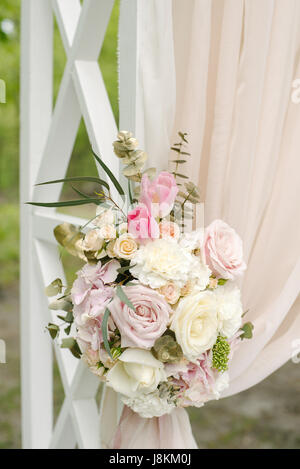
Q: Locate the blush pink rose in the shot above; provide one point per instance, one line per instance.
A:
(159, 195)
(223, 250)
(141, 224)
(140, 328)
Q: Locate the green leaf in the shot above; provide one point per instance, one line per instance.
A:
(123, 297)
(222, 281)
(183, 136)
(110, 175)
(180, 175)
(77, 179)
(179, 161)
(67, 203)
(54, 288)
(248, 330)
(53, 330)
(123, 269)
(72, 345)
(85, 196)
(129, 192)
(61, 305)
(176, 149)
(104, 329)
(68, 329)
(68, 236)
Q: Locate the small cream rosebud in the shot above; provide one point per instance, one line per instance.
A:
(171, 292)
(125, 246)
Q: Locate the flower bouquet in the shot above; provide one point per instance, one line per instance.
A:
(154, 311)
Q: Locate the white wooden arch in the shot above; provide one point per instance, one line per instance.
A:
(47, 139)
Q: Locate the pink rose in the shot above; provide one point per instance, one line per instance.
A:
(140, 328)
(141, 223)
(159, 195)
(223, 249)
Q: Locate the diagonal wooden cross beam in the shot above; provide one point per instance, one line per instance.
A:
(47, 140)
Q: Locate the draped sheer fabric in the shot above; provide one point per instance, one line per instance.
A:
(222, 70)
(235, 62)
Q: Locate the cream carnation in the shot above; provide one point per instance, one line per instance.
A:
(125, 246)
(162, 261)
(195, 323)
(149, 405)
(230, 309)
(137, 372)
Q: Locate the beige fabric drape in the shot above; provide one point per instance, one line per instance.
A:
(235, 61)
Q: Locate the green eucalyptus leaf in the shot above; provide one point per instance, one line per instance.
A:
(54, 288)
(123, 297)
(104, 329)
(61, 305)
(53, 330)
(109, 174)
(77, 179)
(70, 238)
(248, 331)
(68, 203)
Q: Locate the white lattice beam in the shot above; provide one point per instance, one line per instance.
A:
(47, 141)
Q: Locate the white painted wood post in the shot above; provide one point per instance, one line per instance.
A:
(36, 111)
(47, 139)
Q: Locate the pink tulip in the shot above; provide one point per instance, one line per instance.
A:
(159, 195)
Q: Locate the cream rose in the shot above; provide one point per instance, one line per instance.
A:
(93, 241)
(108, 232)
(169, 230)
(105, 217)
(171, 292)
(195, 323)
(125, 246)
(137, 372)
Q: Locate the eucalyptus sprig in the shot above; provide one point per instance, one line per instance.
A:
(180, 150)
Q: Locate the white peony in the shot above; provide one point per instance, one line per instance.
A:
(149, 405)
(161, 261)
(230, 309)
(137, 372)
(195, 323)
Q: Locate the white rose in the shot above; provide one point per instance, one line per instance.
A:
(195, 323)
(105, 217)
(137, 372)
(149, 405)
(162, 261)
(108, 232)
(93, 241)
(230, 309)
(125, 246)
